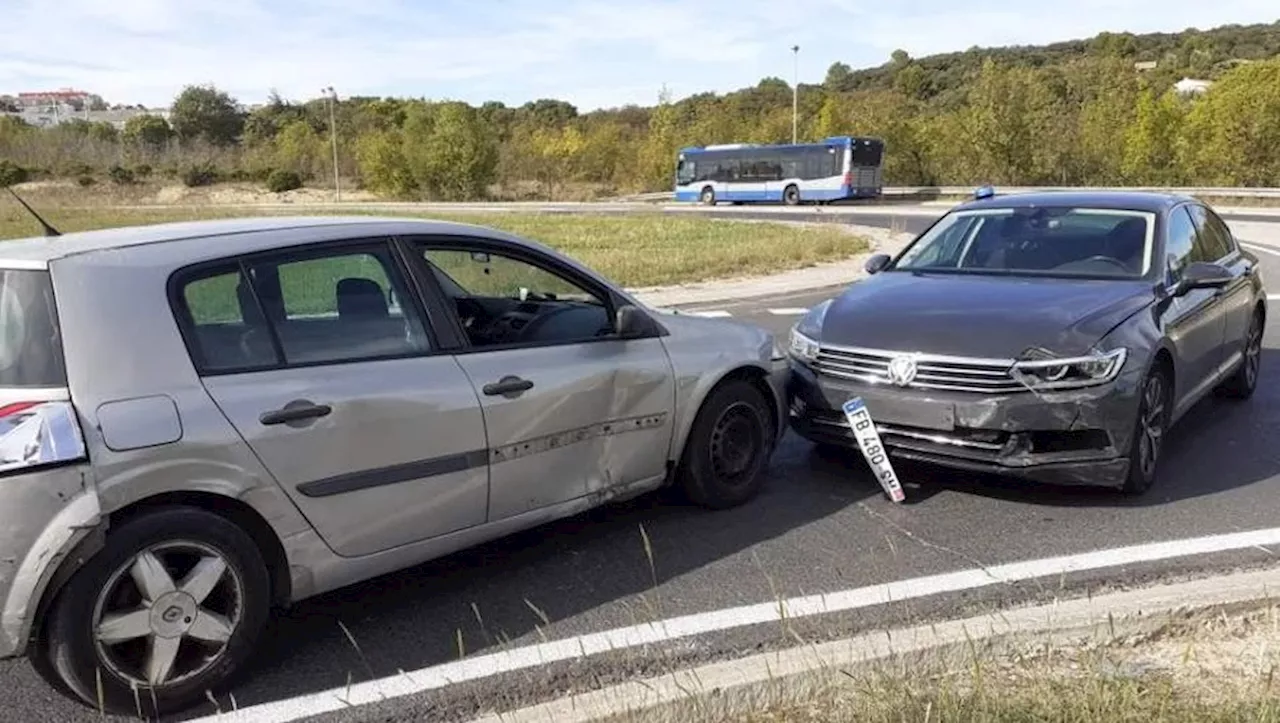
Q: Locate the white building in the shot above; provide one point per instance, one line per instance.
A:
(1190, 86)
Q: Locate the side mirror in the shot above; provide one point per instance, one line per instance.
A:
(1202, 275)
(876, 263)
(631, 323)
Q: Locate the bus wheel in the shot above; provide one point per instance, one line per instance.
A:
(791, 196)
(708, 196)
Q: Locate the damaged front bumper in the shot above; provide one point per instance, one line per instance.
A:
(1078, 437)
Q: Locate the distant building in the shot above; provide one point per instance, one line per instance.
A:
(1191, 86)
(60, 97)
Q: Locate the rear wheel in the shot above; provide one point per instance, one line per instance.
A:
(1154, 412)
(169, 609)
(728, 447)
(791, 196)
(1245, 379)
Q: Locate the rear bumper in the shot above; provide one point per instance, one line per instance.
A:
(43, 516)
(1076, 438)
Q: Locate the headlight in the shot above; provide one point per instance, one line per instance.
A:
(1070, 373)
(802, 347)
(803, 344)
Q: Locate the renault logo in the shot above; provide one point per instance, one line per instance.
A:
(171, 614)
(902, 370)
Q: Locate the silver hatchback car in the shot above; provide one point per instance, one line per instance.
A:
(202, 421)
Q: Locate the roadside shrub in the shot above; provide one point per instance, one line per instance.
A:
(85, 181)
(12, 174)
(81, 169)
(120, 175)
(142, 171)
(199, 174)
(281, 180)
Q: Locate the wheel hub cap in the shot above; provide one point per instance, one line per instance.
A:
(172, 614)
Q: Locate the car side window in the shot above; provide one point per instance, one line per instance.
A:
(1181, 243)
(222, 319)
(1218, 242)
(339, 305)
(502, 300)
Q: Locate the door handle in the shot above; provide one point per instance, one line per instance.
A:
(295, 411)
(507, 386)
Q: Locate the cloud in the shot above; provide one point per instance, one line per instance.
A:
(590, 53)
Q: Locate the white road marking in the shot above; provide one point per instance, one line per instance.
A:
(788, 311)
(1263, 249)
(714, 314)
(532, 656)
(1273, 297)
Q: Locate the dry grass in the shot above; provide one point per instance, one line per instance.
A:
(637, 250)
(1211, 667)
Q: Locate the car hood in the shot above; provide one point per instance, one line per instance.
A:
(979, 316)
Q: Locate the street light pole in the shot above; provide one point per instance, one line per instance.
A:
(795, 95)
(333, 136)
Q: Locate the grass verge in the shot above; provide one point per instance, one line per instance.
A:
(1211, 666)
(637, 250)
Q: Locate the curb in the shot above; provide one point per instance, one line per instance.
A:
(1106, 617)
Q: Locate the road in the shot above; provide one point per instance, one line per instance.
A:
(821, 525)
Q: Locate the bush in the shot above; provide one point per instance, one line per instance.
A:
(280, 181)
(120, 175)
(199, 174)
(85, 181)
(12, 174)
(80, 169)
(142, 171)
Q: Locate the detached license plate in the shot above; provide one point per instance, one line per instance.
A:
(864, 431)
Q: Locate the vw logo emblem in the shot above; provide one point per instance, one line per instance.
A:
(902, 370)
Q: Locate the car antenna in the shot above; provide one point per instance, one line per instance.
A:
(48, 230)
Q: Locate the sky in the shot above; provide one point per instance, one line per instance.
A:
(592, 53)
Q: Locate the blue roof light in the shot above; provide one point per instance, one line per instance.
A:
(984, 192)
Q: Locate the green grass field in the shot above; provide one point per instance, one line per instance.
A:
(634, 251)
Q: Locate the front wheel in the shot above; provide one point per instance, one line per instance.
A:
(167, 611)
(728, 447)
(1154, 412)
(708, 196)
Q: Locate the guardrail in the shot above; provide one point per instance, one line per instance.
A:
(932, 191)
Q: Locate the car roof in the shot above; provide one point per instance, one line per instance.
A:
(1150, 201)
(40, 250)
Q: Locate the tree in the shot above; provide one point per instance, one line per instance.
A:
(382, 163)
(1150, 142)
(204, 112)
(450, 151)
(300, 149)
(147, 131)
(1232, 133)
(839, 78)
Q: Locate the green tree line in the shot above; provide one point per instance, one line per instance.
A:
(1101, 111)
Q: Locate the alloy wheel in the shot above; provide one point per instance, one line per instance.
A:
(1253, 353)
(1151, 427)
(167, 614)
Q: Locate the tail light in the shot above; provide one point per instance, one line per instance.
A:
(39, 434)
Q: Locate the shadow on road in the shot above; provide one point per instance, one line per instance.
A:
(532, 581)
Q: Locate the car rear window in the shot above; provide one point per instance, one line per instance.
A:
(30, 342)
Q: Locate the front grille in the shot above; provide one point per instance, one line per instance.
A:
(986, 376)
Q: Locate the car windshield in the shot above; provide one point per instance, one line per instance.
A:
(1045, 240)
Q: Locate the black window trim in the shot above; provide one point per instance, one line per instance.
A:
(180, 277)
(416, 243)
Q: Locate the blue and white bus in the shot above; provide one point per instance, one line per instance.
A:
(841, 167)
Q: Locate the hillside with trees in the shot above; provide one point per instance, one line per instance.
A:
(1101, 111)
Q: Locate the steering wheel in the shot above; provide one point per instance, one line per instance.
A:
(536, 323)
(1114, 262)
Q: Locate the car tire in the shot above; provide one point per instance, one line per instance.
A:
(162, 549)
(1244, 381)
(728, 447)
(1149, 430)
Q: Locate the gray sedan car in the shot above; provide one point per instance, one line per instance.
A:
(201, 421)
(1049, 336)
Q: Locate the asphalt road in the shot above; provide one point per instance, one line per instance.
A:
(821, 525)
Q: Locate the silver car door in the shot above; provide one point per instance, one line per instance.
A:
(570, 410)
(376, 437)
